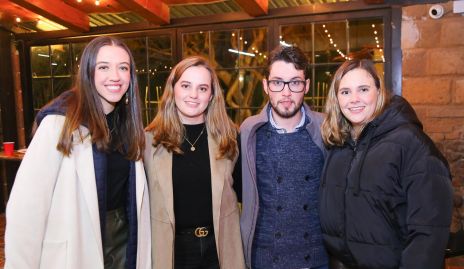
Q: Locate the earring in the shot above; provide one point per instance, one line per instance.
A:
(127, 99)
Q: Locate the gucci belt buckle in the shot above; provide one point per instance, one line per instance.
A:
(201, 232)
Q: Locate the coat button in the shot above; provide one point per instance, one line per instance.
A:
(306, 235)
(307, 257)
(279, 208)
(279, 179)
(275, 259)
(305, 207)
(307, 178)
(278, 235)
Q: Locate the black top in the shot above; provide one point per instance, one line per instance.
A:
(117, 174)
(191, 180)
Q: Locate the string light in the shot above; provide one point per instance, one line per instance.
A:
(97, 2)
(18, 19)
(334, 44)
(377, 42)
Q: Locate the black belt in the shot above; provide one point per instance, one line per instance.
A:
(197, 231)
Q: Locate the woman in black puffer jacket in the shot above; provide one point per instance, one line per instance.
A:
(386, 195)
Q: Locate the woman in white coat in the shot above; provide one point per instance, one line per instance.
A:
(80, 197)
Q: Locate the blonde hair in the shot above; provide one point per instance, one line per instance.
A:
(336, 128)
(167, 127)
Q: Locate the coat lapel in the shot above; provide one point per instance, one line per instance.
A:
(217, 182)
(163, 171)
(86, 173)
(139, 184)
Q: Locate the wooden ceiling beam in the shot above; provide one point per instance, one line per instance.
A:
(372, 2)
(254, 7)
(154, 11)
(59, 12)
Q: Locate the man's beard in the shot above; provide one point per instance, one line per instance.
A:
(286, 113)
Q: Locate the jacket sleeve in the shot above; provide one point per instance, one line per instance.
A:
(428, 188)
(31, 197)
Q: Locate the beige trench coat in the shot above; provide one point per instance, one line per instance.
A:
(52, 214)
(158, 165)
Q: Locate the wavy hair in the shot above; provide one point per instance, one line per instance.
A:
(290, 54)
(84, 107)
(336, 128)
(167, 127)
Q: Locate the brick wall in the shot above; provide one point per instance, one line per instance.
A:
(433, 81)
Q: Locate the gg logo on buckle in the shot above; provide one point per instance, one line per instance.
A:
(201, 232)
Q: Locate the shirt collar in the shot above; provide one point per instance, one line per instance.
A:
(281, 130)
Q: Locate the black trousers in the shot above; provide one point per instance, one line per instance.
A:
(193, 252)
(117, 232)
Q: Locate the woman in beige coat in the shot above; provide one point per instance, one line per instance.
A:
(189, 158)
(80, 198)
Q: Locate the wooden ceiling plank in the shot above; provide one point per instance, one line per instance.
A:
(374, 2)
(254, 7)
(154, 11)
(59, 12)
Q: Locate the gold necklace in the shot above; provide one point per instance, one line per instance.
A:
(192, 145)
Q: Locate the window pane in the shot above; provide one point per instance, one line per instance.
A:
(367, 40)
(254, 43)
(138, 48)
(151, 97)
(380, 67)
(60, 85)
(160, 57)
(251, 87)
(77, 49)
(61, 60)
(318, 94)
(195, 44)
(160, 63)
(297, 35)
(330, 42)
(40, 61)
(224, 49)
(229, 81)
(42, 92)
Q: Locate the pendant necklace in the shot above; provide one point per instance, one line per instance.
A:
(192, 145)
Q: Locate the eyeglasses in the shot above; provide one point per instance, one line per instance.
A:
(293, 85)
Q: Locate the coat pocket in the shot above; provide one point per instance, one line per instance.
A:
(54, 255)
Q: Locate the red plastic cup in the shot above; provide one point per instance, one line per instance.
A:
(8, 148)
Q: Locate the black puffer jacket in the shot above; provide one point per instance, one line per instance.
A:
(386, 201)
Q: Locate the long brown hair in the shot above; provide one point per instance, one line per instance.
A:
(167, 127)
(84, 107)
(336, 128)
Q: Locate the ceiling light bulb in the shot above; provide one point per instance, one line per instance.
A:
(18, 19)
(79, 1)
(97, 2)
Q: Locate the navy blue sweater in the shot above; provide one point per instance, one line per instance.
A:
(288, 233)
